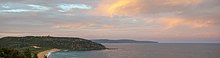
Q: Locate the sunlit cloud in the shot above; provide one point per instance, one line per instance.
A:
(10, 7)
(119, 7)
(182, 2)
(142, 7)
(68, 7)
(171, 23)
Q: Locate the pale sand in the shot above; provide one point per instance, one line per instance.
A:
(43, 53)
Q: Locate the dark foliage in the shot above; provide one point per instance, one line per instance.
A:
(11, 53)
(27, 53)
(35, 55)
(16, 53)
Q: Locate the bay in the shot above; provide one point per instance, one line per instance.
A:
(147, 50)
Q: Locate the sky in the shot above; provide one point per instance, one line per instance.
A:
(169, 21)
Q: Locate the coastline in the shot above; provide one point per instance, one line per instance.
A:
(43, 53)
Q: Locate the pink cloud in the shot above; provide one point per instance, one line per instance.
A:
(139, 7)
(173, 22)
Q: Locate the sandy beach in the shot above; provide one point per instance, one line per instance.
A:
(41, 54)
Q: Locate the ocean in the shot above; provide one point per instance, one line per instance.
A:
(147, 50)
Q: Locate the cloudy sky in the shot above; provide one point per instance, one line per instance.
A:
(190, 21)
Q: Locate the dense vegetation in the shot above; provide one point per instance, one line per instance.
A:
(15, 53)
(29, 46)
(72, 43)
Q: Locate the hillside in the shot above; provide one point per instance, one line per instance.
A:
(72, 43)
(121, 41)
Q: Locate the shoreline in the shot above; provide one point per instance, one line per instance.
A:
(44, 53)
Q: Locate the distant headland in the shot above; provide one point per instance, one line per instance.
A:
(121, 41)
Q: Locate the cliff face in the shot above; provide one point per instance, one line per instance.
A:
(72, 43)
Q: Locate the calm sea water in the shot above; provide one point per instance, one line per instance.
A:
(156, 50)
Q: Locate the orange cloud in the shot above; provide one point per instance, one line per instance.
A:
(193, 23)
(180, 2)
(119, 7)
(138, 7)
